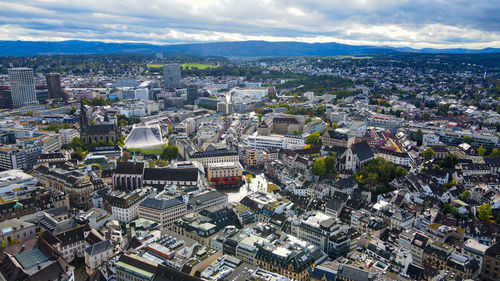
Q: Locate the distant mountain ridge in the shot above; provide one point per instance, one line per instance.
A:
(227, 49)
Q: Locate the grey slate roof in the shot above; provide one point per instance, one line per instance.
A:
(214, 153)
(160, 204)
(351, 273)
(99, 248)
(129, 168)
(363, 151)
(171, 174)
(336, 135)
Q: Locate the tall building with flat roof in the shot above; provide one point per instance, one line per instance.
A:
(54, 85)
(192, 93)
(172, 76)
(22, 85)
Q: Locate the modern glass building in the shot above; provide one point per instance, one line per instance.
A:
(172, 76)
(22, 86)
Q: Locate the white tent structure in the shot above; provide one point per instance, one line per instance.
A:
(144, 136)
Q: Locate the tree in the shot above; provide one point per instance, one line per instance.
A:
(401, 172)
(169, 153)
(449, 184)
(484, 212)
(378, 171)
(312, 139)
(320, 110)
(428, 153)
(77, 155)
(319, 167)
(450, 161)
(468, 139)
(448, 209)
(495, 153)
(259, 115)
(420, 137)
(73, 110)
(77, 143)
(334, 126)
(465, 195)
(125, 156)
(330, 163)
(481, 151)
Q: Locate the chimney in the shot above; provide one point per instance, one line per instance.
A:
(39, 266)
(22, 248)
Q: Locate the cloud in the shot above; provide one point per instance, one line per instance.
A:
(417, 23)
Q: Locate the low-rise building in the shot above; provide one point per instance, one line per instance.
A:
(163, 211)
(181, 177)
(472, 249)
(15, 231)
(128, 175)
(225, 173)
(125, 206)
(215, 156)
(97, 254)
(206, 200)
(334, 138)
(491, 261)
(134, 268)
(398, 158)
(292, 259)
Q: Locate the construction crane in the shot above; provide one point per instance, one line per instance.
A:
(379, 100)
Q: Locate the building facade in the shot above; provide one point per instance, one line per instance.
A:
(54, 86)
(171, 76)
(165, 212)
(22, 85)
(225, 173)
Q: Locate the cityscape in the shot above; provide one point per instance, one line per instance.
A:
(248, 160)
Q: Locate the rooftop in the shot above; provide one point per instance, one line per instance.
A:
(160, 204)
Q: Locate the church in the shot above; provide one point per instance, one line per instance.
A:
(105, 130)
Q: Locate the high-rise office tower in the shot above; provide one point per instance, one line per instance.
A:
(22, 86)
(54, 86)
(192, 93)
(171, 76)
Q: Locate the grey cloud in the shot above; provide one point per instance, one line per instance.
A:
(376, 22)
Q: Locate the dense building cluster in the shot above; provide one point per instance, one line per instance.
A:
(316, 169)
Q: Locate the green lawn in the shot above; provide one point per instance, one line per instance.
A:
(198, 65)
(148, 151)
(154, 65)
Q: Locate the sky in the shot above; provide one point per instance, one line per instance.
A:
(419, 24)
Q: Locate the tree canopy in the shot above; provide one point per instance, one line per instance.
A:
(481, 151)
(313, 138)
(330, 163)
(319, 167)
(495, 153)
(428, 153)
(465, 195)
(484, 212)
(379, 171)
(169, 153)
(449, 161)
